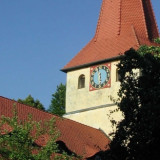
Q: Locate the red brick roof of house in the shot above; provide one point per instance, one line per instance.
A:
(122, 24)
(78, 138)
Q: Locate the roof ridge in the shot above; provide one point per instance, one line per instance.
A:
(118, 29)
(120, 3)
(144, 18)
(88, 126)
(63, 118)
(154, 17)
(70, 130)
(135, 35)
(99, 20)
(28, 106)
(119, 17)
(154, 28)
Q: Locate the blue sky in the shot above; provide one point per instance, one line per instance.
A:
(38, 37)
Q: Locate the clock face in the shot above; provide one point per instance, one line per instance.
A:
(100, 76)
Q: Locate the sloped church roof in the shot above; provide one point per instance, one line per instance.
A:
(78, 138)
(122, 24)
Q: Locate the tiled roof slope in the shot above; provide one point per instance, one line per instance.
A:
(80, 139)
(123, 24)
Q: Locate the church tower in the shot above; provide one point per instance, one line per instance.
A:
(92, 77)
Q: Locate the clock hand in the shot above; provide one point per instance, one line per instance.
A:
(99, 77)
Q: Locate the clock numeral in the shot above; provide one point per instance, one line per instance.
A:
(105, 82)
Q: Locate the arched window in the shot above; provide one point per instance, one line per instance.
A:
(81, 81)
(118, 77)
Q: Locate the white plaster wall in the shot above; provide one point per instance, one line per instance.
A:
(77, 99)
(98, 118)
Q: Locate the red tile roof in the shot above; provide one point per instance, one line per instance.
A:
(80, 139)
(122, 24)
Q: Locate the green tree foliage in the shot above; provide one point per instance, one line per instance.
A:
(137, 136)
(157, 40)
(58, 101)
(19, 144)
(31, 102)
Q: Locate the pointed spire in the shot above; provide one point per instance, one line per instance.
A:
(122, 24)
(109, 19)
(152, 28)
(117, 16)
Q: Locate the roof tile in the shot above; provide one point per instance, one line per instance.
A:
(122, 24)
(80, 139)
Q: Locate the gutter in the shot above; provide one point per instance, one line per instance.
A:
(90, 64)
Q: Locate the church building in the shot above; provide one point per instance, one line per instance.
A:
(92, 76)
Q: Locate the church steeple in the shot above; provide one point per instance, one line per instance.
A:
(118, 16)
(122, 24)
(92, 75)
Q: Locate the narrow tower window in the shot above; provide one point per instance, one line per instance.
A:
(118, 77)
(81, 81)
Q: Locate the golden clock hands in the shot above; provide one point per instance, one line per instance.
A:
(99, 77)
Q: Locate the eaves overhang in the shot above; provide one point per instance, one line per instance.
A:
(90, 64)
